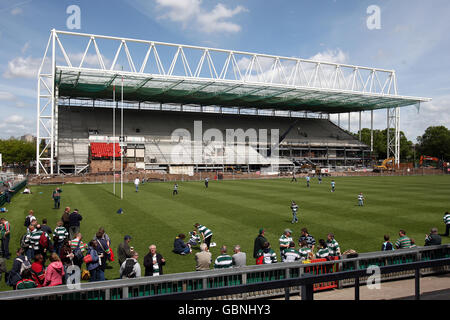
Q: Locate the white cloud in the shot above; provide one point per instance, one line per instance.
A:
(23, 68)
(6, 96)
(11, 99)
(14, 119)
(333, 56)
(25, 47)
(191, 13)
(91, 60)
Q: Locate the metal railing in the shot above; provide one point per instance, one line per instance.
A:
(259, 276)
(17, 187)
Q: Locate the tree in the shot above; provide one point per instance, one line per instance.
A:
(435, 142)
(17, 152)
(380, 143)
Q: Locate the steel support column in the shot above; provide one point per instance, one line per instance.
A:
(45, 126)
(393, 134)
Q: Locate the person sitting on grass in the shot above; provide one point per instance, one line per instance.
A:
(179, 247)
(27, 190)
(195, 239)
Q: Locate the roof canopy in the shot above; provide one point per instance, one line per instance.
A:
(172, 73)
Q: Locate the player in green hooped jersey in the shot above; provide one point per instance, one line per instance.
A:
(323, 250)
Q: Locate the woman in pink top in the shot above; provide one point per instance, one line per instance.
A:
(55, 272)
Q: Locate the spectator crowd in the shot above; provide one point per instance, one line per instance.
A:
(49, 257)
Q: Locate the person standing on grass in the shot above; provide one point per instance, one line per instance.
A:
(103, 251)
(293, 177)
(55, 272)
(223, 261)
(285, 240)
(360, 200)
(5, 231)
(333, 245)
(29, 245)
(15, 272)
(267, 255)
(56, 196)
(294, 208)
(130, 268)
(66, 255)
(333, 185)
(96, 273)
(403, 242)
(205, 233)
(259, 243)
(136, 184)
(305, 251)
(447, 223)
(29, 218)
(38, 270)
(124, 250)
(290, 254)
(74, 222)
(307, 181)
(320, 179)
(308, 238)
(78, 246)
(66, 218)
(206, 182)
(7, 194)
(59, 235)
(153, 262)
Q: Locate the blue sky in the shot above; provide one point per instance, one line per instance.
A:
(413, 39)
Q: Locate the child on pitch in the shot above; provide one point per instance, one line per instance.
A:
(360, 199)
(294, 208)
(307, 181)
(175, 189)
(333, 184)
(195, 238)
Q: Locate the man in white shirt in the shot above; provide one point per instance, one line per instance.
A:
(136, 183)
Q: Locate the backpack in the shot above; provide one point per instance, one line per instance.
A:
(43, 241)
(27, 222)
(65, 217)
(23, 243)
(78, 255)
(25, 265)
(128, 270)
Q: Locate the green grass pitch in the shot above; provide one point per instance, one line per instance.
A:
(235, 210)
